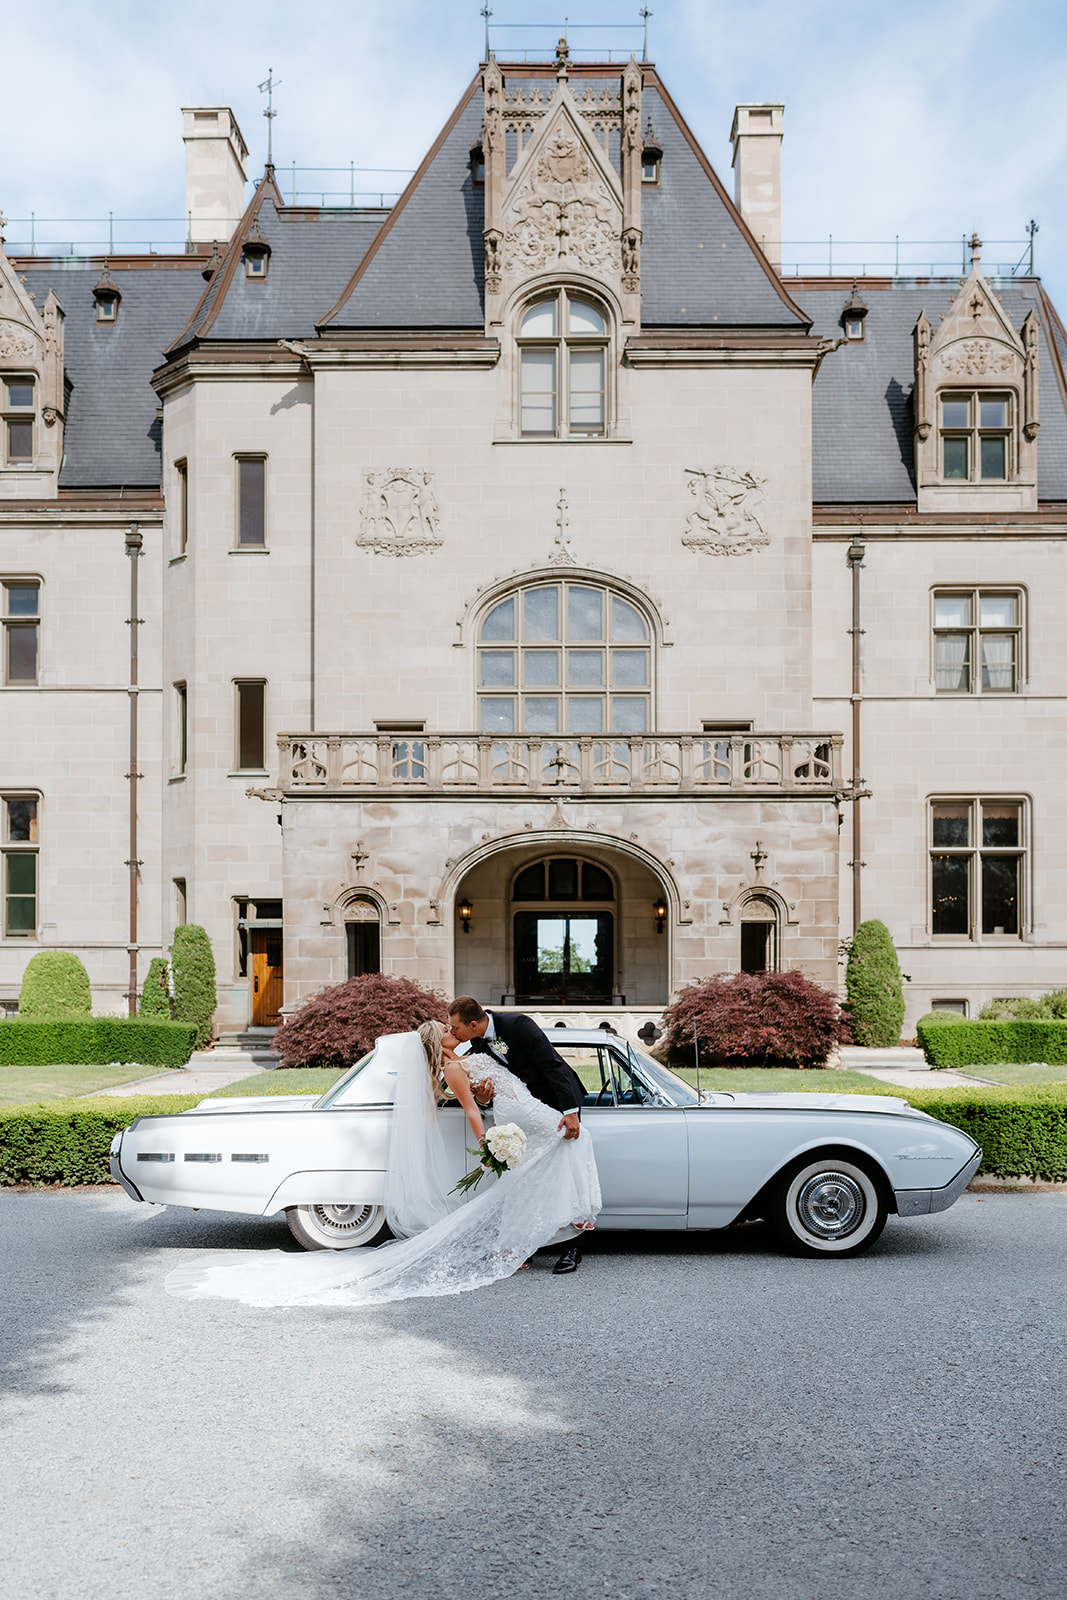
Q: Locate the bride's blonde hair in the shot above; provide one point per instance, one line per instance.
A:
(431, 1034)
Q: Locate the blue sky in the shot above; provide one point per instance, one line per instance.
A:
(927, 118)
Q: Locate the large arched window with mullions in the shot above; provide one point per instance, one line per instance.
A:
(563, 367)
(568, 657)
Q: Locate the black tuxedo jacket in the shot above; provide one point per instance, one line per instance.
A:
(531, 1057)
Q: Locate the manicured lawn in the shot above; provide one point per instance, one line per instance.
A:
(754, 1079)
(294, 1080)
(1018, 1072)
(26, 1085)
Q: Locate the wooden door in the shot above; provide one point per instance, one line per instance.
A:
(267, 987)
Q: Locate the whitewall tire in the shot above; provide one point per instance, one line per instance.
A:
(828, 1206)
(336, 1227)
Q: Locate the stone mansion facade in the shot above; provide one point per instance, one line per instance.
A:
(531, 590)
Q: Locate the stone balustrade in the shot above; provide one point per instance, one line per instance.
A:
(659, 763)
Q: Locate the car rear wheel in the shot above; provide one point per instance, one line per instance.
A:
(336, 1227)
(827, 1206)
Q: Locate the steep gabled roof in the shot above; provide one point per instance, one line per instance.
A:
(112, 432)
(862, 428)
(700, 264)
(312, 252)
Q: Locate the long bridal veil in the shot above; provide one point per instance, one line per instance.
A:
(417, 1178)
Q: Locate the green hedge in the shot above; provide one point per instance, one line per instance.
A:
(969, 1044)
(69, 1141)
(1023, 1132)
(96, 1042)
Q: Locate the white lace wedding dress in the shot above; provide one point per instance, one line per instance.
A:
(476, 1240)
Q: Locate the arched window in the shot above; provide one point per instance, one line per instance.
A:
(564, 658)
(563, 349)
(759, 934)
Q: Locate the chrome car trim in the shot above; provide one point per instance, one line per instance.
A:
(117, 1173)
(923, 1202)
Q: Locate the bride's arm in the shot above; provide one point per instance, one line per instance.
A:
(460, 1085)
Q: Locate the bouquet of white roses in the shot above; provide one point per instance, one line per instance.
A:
(502, 1147)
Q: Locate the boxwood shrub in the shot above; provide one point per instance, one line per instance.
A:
(69, 1141)
(55, 984)
(874, 1000)
(1022, 1131)
(969, 1044)
(94, 1041)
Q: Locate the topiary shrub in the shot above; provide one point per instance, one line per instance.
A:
(55, 984)
(194, 980)
(155, 996)
(874, 1001)
(341, 1024)
(768, 1019)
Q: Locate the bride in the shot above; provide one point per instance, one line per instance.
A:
(448, 1243)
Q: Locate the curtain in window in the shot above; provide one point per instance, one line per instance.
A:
(998, 662)
(952, 665)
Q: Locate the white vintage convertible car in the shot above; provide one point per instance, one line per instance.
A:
(824, 1170)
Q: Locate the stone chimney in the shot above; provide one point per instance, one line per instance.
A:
(756, 136)
(215, 156)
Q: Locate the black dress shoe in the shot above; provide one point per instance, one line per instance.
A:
(568, 1261)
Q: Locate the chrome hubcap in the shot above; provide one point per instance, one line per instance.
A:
(342, 1219)
(831, 1205)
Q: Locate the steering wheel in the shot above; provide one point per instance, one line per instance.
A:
(604, 1098)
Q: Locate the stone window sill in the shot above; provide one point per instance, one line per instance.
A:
(249, 550)
(249, 772)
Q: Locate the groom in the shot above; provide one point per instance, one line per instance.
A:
(515, 1041)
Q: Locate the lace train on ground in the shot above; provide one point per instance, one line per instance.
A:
(489, 1237)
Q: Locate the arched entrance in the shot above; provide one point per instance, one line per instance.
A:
(568, 925)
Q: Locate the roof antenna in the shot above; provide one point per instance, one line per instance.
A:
(486, 12)
(268, 87)
(645, 13)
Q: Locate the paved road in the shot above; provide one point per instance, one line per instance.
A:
(687, 1417)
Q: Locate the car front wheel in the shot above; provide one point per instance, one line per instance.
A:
(336, 1227)
(827, 1206)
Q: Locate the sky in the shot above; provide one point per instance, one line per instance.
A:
(925, 119)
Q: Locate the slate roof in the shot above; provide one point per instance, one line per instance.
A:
(112, 433)
(699, 265)
(862, 440)
(313, 254)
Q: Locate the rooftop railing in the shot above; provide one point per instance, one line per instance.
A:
(473, 763)
(904, 258)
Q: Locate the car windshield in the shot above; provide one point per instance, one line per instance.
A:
(674, 1089)
(342, 1083)
(637, 1078)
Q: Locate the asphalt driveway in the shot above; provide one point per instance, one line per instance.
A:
(687, 1416)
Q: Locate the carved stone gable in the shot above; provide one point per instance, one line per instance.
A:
(975, 347)
(31, 342)
(563, 208)
(400, 515)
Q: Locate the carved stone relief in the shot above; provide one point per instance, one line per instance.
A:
(400, 515)
(16, 344)
(722, 522)
(978, 358)
(562, 212)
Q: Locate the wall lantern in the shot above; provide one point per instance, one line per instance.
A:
(465, 908)
(660, 909)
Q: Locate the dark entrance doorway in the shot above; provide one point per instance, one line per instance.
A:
(364, 948)
(268, 989)
(564, 958)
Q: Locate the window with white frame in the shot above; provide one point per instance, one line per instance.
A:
(976, 436)
(250, 724)
(18, 408)
(21, 625)
(564, 658)
(977, 868)
(21, 845)
(977, 641)
(563, 365)
(251, 502)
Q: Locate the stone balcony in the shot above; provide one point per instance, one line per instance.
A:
(380, 764)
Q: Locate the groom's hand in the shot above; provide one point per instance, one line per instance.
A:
(571, 1125)
(483, 1092)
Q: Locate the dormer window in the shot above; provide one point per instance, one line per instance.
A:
(19, 414)
(563, 345)
(976, 432)
(107, 297)
(854, 315)
(651, 156)
(256, 253)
